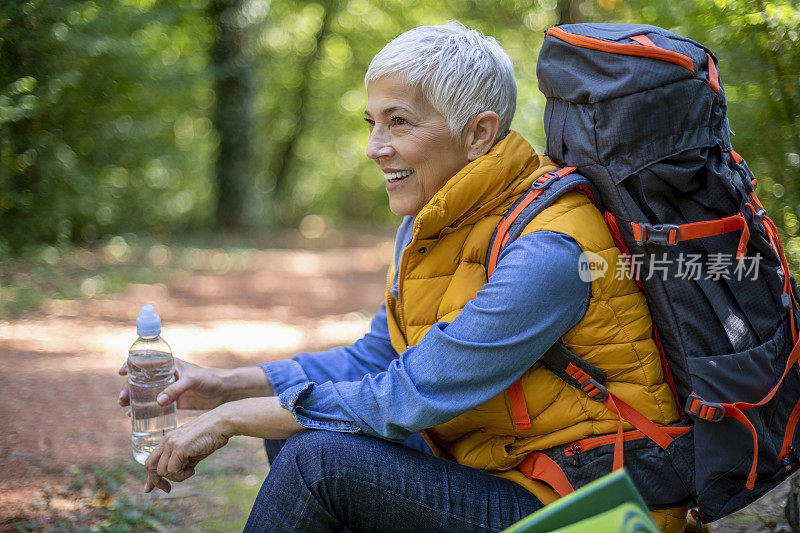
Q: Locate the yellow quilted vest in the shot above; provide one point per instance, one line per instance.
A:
(444, 267)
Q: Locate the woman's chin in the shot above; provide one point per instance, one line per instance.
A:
(403, 207)
(401, 197)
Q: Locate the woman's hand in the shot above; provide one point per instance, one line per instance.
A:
(182, 448)
(196, 387)
(180, 451)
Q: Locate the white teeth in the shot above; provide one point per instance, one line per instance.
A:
(389, 176)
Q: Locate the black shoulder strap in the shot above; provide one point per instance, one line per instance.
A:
(546, 190)
(558, 357)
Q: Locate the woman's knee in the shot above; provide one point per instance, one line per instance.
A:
(317, 454)
(314, 440)
(297, 493)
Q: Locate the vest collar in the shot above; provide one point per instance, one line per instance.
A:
(480, 187)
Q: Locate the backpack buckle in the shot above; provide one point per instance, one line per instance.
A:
(658, 234)
(552, 178)
(758, 216)
(595, 390)
(709, 411)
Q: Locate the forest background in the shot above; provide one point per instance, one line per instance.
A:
(166, 119)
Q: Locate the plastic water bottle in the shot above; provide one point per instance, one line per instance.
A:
(150, 370)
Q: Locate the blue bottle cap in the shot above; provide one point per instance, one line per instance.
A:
(148, 324)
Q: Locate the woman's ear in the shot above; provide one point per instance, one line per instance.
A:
(481, 134)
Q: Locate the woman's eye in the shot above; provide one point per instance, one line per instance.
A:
(369, 122)
(397, 121)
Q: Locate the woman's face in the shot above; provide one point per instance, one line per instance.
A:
(411, 143)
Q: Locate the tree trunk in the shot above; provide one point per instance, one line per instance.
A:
(568, 12)
(285, 153)
(233, 118)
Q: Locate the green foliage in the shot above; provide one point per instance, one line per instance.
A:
(107, 110)
(327, 171)
(102, 121)
(63, 273)
(116, 512)
(57, 276)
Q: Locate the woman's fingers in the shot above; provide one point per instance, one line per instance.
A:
(154, 480)
(182, 449)
(176, 464)
(163, 462)
(173, 392)
(162, 484)
(125, 397)
(172, 463)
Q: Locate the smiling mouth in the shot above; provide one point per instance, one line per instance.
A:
(393, 177)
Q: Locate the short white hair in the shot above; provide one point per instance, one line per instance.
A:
(460, 71)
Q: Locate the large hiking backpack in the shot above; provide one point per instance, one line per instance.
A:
(636, 117)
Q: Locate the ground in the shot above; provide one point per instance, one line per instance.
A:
(65, 445)
(65, 459)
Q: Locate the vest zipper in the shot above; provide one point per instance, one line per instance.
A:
(400, 277)
(631, 49)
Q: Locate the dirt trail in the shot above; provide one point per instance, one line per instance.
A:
(58, 380)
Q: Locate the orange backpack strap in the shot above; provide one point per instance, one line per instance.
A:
(674, 233)
(546, 188)
(540, 467)
(714, 412)
(576, 372)
(519, 407)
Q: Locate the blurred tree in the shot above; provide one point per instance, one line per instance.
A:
(569, 12)
(312, 94)
(285, 152)
(102, 120)
(232, 66)
(108, 121)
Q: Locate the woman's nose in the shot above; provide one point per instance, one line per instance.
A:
(378, 146)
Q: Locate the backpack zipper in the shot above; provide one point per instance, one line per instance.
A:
(575, 449)
(593, 43)
(788, 437)
(633, 434)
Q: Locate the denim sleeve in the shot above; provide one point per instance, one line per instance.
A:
(534, 297)
(369, 355)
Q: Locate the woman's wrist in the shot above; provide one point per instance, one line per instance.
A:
(263, 418)
(244, 382)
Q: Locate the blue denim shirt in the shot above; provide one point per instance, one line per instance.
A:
(535, 295)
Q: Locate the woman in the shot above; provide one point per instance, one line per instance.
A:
(446, 344)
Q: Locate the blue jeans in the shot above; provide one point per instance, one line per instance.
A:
(331, 481)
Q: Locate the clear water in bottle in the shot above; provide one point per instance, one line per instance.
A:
(151, 369)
